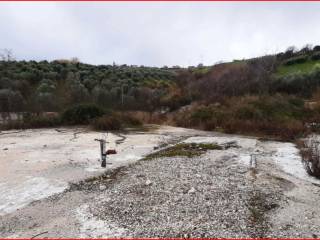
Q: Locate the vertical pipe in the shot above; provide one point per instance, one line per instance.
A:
(103, 154)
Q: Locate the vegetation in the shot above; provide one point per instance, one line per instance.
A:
(185, 149)
(278, 116)
(115, 121)
(272, 95)
(310, 152)
(303, 68)
(52, 86)
(82, 114)
(32, 122)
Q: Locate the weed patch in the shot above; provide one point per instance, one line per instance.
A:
(185, 149)
(258, 207)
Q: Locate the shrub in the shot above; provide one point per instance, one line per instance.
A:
(288, 130)
(106, 123)
(315, 56)
(248, 112)
(175, 102)
(82, 114)
(115, 121)
(280, 108)
(296, 102)
(128, 119)
(205, 117)
(32, 122)
(278, 116)
(202, 114)
(316, 48)
(302, 84)
(296, 60)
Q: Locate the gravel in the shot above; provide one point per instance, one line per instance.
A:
(215, 194)
(187, 197)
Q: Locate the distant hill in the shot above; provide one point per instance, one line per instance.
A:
(53, 86)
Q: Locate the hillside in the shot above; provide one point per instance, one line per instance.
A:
(264, 95)
(51, 86)
(304, 68)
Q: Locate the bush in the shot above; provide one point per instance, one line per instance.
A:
(276, 116)
(82, 114)
(129, 120)
(296, 60)
(175, 102)
(202, 114)
(315, 56)
(296, 102)
(288, 130)
(32, 122)
(301, 84)
(248, 112)
(204, 117)
(115, 121)
(106, 123)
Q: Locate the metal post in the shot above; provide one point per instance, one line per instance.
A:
(103, 152)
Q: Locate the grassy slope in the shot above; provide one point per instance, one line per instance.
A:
(285, 70)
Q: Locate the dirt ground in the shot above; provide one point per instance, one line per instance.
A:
(51, 185)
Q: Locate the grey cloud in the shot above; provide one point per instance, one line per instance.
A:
(155, 33)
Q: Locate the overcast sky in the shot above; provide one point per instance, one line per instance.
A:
(155, 33)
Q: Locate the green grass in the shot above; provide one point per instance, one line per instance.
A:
(202, 70)
(185, 150)
(285, 70)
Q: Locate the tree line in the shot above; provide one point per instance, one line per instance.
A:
(30, 86)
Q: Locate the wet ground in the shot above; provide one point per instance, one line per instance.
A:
(51, 184)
